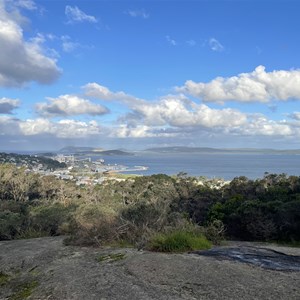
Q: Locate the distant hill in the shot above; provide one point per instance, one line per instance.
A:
(92, 151)
(72, 149)
(181, 149)
(31, 161)
(115, 152)
(45, 154)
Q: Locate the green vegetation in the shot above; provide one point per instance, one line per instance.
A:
(294, 244)
(125, 176)
(4, 278)
(179, 241)
(120, 244)
(144, 210)
(24, 291)
(31, 161)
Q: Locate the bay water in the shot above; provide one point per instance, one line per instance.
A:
(226, 166)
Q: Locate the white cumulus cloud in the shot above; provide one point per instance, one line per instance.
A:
(69, 105)
(22, 61)
(41, 127)
(171, 110)
(260, 125)
(101, 92)
(8, 105)
(177, 112)
(140, 131)
(63, 129)
(180, 117)
(256, 86)
(75, 15)
(295, 115)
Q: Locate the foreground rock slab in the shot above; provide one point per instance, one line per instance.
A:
(256, 255)
(44, 268)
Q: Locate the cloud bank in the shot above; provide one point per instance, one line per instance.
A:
(257, 86)
(66, 129)
(178, 116)
(180, 112)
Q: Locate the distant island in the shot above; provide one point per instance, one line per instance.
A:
(207, 150)
(92, 151)
(98, 151)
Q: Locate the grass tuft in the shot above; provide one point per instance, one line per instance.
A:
(179, 241)
(4, 278)
(31, 233)
(292, 244)
(24, 291)
(120, 244)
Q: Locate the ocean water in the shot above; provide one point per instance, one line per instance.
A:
(226, 166)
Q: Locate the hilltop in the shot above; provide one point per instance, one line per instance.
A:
(44, 268)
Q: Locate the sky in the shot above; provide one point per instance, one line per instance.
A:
(141, 74)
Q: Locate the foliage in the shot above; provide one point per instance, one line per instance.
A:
(48, 219)
(266, 209)
(138, 208)
(31, 160)
(4, 278)
(215, 232)
(178, 241)
(25, 290)
(10, 224)
(93, 224)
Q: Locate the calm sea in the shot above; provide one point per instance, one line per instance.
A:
(226, 166)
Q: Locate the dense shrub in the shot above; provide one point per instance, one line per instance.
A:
(10, 224)
(93, 224)
(49, 219)
(270, 211)
(137, 209)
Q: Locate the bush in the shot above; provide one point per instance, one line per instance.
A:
(10, 224)
(145, 219)
(48, 220)
(178, 241)
(144, 214)
(93, 224)
(215, 231)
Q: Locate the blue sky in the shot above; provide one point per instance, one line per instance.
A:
(139, 74)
